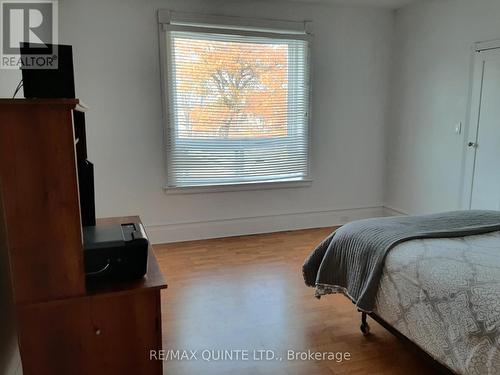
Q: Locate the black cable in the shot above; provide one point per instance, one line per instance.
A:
(16, 90)
(19, 85)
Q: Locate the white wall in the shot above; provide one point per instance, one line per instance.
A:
(430, 85)
(118, 76)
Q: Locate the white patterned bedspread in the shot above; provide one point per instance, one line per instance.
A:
(444, 295)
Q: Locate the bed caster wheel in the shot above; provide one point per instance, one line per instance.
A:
(365, 329)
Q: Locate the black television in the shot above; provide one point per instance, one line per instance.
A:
(54, 78)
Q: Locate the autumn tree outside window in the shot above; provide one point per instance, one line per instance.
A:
(238, 106)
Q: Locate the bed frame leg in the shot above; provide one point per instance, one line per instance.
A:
(365, 328)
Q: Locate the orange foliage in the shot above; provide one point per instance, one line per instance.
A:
(231, 89)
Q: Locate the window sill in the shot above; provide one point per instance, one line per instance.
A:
(238, 187)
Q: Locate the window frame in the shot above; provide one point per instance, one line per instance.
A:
(191, 22)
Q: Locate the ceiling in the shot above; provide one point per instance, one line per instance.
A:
(394, 4)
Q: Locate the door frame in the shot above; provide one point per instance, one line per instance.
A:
(480, 52)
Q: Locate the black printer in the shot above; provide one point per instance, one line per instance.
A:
(115, 252)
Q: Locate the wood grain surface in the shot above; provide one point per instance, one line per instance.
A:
(248, 293)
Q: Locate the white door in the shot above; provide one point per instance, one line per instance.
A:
(484, 137)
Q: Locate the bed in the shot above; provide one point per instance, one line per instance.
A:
(442, 294)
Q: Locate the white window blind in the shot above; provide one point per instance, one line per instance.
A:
(238, 108)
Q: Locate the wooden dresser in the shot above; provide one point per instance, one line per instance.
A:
(64, 325)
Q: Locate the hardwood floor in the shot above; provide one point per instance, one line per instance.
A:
(247, 293)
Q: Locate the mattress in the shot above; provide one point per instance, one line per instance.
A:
(444, 295)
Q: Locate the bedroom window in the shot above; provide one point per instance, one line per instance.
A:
(237, 99)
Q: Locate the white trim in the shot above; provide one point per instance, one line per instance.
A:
(472, 128)
(479, 52)
(237, 187)
(234, 31)
(486, 45)
(393, 211)
(169, 17)
(282, 29)
(187, 231)
(164, 77)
